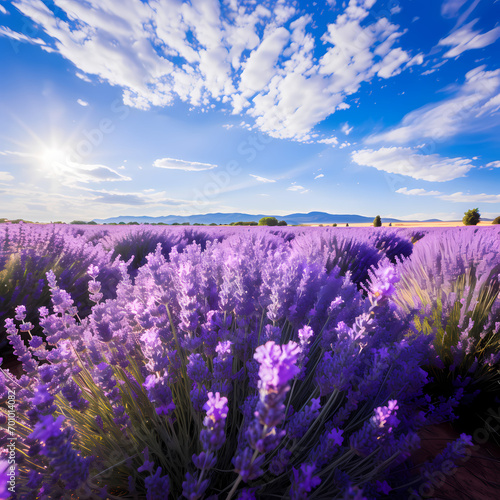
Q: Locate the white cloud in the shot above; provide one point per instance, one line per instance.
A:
(159, 51)
(417, 192)
(6, 177)
(296, 188)
(346, 129)
(81, 102)
(261, 179)
(3, 10)
(16, 153)
(331, 140)
(410, 162)
(188, 166)
(71, 173)
(450, 8)
(392, 63)
(471, 198)
(493, 164)
(319, 176)
(260, 65)
(19, 37)
(465, 38)
(478, 96)
(344, 145)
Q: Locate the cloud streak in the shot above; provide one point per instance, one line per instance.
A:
(478, 97)
(410, 162)
(261, 179)
(187, 166)
(417, 192)
(465, 38)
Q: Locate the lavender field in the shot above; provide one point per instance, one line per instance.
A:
(241, 363)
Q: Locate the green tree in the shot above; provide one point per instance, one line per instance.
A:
(471, 217)
(282, 223)
(268, 221)
(78, 222)
(377, 222)
(496, 220)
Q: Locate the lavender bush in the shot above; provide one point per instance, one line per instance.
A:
(452, 280)
(28, 252)
(249, 368)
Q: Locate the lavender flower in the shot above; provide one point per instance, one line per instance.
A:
(303, 482)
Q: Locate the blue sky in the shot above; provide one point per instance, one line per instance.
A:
(129, 107)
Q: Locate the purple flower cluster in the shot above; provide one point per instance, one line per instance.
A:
(240, 363)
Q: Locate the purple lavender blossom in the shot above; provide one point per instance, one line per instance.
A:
(300, 422)
(157, 486)
(303, 482)
(212, 437)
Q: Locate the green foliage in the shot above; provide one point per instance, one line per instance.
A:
(496, 220)
(334, 224)
(471, 217)
(377, 222)
(282, 223)
(79, 222)
(251, 223)
(268, 221)
(462, 314)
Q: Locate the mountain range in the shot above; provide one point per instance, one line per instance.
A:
(227, 218)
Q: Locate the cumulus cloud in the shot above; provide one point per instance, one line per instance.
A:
(479, 96)
(81, 102)
(331, 140)
(465, 38)
(261, 179)
(417, 192)
(188, 166)
(460, 197)
(243, 56)
(412, 163)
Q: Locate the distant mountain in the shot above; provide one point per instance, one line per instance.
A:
(225, 218)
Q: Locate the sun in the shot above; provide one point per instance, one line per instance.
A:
(53, 158)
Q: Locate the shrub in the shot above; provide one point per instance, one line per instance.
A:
(496, 220)
(451, 280)
(282, 223)
(268, 221)
(208, 376)
(471, 217)
(377, 222)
